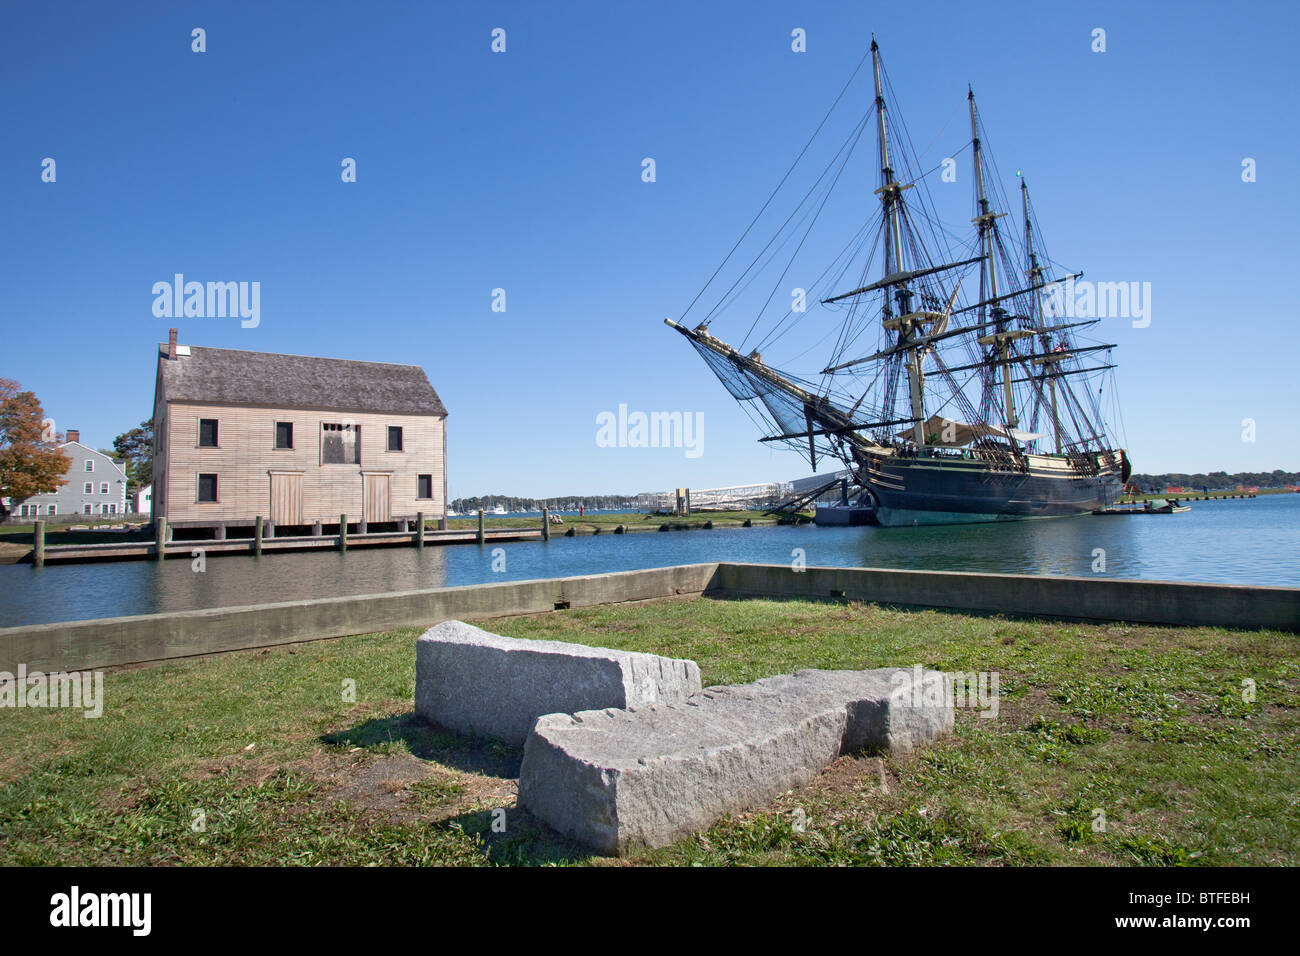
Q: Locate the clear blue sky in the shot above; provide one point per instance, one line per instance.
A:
(522, 171)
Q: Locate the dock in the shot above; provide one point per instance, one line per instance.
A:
(120, 550)
(164, 545)
(1172, 506)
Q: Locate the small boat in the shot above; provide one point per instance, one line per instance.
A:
(861, 513)
(498, 510)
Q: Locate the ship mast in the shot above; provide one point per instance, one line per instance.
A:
(1034, 273)
(1002, 337)
(890, 196)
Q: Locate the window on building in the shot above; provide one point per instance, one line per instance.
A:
(86, 509)
(340, 444)
(103, 487)
(207, 433)
(88, 488)
(90, 464)
(53, 509)
(284, 434)
(112, 509)
(207, 487)
(394, 437)
(425, 489)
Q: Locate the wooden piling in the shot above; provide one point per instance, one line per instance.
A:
(481, 537)
(343, 532)
(419, 529)
(38, 543)
(546, 524)
(160, 536)
(257, 536)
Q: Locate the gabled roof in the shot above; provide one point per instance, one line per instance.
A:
(115, 462)
(236, 377)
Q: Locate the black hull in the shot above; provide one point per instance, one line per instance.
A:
(943, 490)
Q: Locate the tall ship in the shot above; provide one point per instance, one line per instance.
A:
(956, 386)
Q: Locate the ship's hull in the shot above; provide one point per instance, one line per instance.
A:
(943, 490)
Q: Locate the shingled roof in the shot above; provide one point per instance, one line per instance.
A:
(236, 377)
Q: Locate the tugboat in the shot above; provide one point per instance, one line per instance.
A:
(976, 403)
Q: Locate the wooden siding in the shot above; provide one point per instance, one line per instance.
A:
(378, 496)
(246, 456)
(286, 498)
(160, 448)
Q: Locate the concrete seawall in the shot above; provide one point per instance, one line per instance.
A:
(1091, 599)
(111, 642)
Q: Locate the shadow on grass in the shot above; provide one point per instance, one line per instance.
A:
(508, 836)
(512, 837)
(487, 756)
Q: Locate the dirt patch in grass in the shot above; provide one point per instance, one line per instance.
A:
(381, 784)
(414, 771)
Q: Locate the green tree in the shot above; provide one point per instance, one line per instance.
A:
(136, 448)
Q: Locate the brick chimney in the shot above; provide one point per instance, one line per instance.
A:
(171, 343)
(74, 434)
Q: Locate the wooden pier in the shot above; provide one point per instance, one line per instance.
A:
(165, 546)
(1198, 496)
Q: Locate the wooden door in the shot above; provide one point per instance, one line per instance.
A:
(286, 499)
(376, 493)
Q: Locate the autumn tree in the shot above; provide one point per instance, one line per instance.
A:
(30, 460)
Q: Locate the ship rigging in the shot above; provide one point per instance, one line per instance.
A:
(951, 391)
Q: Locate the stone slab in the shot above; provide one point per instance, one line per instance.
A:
(647, 776)
(479, 683)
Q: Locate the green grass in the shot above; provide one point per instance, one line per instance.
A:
(1143, 729)
(58, 534)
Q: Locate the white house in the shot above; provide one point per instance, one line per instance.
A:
(143, 501)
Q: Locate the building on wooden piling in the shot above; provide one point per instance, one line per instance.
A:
(297, 440)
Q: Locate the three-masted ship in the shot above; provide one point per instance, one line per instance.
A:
(976, 402)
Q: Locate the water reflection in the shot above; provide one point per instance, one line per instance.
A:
(1247, 542)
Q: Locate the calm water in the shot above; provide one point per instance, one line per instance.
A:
(1253, 541)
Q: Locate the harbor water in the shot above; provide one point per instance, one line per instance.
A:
(1250, 541)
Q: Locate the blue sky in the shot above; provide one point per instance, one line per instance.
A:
(522, 171)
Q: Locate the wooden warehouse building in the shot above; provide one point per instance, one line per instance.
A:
(294, 439)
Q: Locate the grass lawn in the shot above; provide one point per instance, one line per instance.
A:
(59, 534)
(257, 758)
